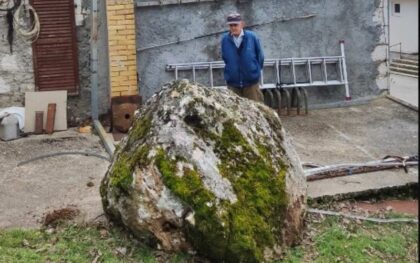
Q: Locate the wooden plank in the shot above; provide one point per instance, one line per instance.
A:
(39, 122)
(49, 129)
(38, 101)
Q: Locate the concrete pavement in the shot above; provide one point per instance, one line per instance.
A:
(356, 134)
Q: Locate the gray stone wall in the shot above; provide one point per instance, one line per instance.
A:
(355, 22)
(16, 70)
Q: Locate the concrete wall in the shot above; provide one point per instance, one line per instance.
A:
(404, 26)
(405, 88)
(16, 70)
(79, 106)
(357, 22)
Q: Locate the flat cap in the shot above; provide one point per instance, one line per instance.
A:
(233, 18)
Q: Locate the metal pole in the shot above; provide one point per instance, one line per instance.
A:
(324, 64)
(94, 61)
(388, 59)
(309, 71)
(293, 71)
(211, 74)
(346, 82)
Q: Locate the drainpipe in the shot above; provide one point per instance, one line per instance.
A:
(107, 141)
(94, 61)
(388, 60)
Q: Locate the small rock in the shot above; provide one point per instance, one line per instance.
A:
(389, 208)
(54, 240)
(90, 184)
(50, 231)
(103, 233)
(25, 243)
(85, 129)
(121, 250)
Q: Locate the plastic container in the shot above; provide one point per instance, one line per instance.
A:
(9, 128)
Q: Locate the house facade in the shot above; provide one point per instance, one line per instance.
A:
(132, 36)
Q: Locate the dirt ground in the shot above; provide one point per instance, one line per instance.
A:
(28, 192)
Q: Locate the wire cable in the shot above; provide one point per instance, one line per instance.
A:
(32, 33)
(63, 153)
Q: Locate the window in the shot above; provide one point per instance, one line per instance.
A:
(397, 8)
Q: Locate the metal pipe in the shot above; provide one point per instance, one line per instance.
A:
(346, 83)
(94, 61)
(293, 71)
(211, 76)
(325, 71)
(309, 71)
(388, 59)
(262, 77)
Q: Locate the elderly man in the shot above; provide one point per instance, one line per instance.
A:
(244, 59)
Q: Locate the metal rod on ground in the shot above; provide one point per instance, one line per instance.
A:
(338, 170)
(60, 154)
(376, 220)
(108, 143)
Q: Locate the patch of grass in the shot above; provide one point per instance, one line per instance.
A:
(336, 241)
(332, 240)
(72, 244)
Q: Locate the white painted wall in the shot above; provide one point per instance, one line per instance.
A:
(404, 26)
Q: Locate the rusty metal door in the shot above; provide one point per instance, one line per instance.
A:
(55, 52)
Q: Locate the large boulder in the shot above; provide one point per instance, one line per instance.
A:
(203, 170)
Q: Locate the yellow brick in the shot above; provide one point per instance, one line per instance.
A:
(129, 93)
(119, 58)
(118, 66)
(118, 48)
(129, 16)
(120, 78)
(116, 27)
(126, 73)
(118, 88)
(123, 12)
(114, 18)
(115, 73)
(116, 94)
(133, 76)
(115, 7)
(132, 82)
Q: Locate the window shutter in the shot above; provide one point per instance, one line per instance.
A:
(55, 51)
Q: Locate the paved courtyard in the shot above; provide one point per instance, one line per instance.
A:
(356, 134)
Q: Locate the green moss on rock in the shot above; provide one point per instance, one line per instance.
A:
(121, 174)
(246, 227)
(140, 129)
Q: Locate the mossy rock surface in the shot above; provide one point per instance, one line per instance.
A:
(207, 172)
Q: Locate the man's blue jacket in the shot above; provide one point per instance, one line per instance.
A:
(243, 64)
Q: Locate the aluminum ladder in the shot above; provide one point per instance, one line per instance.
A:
(282, 95)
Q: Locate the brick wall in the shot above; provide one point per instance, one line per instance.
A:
(122, 47)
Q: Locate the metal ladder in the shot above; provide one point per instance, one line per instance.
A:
(282, 95)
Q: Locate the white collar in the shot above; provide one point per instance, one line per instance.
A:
(240, 35)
